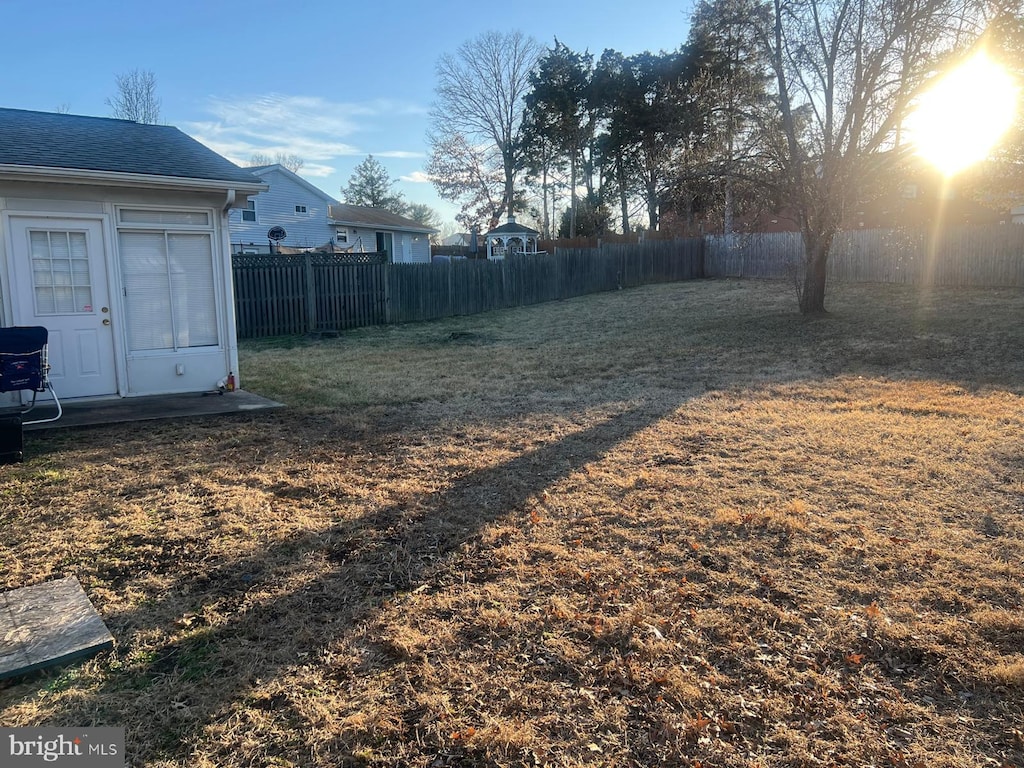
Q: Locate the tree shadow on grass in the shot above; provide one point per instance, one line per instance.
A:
(392, 549)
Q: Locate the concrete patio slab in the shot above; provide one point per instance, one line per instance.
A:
(81, 413)
(47, 625)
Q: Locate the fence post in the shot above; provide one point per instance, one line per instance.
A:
(307, 268)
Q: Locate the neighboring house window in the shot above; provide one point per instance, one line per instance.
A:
(300, 209)
(249, 212)
(341, 236)
(168, 278)
(910, 191)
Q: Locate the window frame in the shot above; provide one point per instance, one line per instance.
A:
(250, 207)
(212, 230)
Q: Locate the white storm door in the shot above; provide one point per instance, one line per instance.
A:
(60, 282)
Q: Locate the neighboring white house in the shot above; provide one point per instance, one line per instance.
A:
(114, 236)
(291, 202)
(311, 218)
(363, 229)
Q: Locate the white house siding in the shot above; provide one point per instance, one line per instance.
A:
(409, 247)
(421, 249)
(153, 372)
(276, 208)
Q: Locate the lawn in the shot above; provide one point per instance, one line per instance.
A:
(676, 525)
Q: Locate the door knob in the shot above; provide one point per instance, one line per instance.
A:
(106, 321)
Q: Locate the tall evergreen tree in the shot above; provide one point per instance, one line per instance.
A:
(560, 113)
(732, 97)
(371, 185)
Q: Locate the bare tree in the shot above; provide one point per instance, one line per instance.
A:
(136, 97)
(63, 108)
(469, 174)
(292, 162)
(480, 93)
(848, 73)
(258, 159)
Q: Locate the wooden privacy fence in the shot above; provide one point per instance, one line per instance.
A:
(281, 295)
(464, 287)
(982, 256)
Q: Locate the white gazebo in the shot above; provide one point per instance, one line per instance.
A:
(511, 238)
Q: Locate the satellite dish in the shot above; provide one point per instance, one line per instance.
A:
(277, 234)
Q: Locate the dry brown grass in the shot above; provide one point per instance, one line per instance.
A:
(679, 525)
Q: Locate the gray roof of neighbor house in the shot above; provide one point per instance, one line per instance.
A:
(363, 216)
(75, 142)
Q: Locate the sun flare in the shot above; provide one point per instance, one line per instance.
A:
(962, 117)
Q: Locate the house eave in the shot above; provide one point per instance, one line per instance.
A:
(117, 179)
(371, 225)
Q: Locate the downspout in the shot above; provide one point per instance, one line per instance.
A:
(230, 323)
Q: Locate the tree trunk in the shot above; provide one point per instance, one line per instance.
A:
(572, 196)
(728, 210)
(652, 206)
(623, 201)
(816, 250)
(546, 226)
(509, 189)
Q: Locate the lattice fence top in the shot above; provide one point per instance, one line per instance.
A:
(319, 259)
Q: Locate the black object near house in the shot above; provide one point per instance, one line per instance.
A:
(23, 367)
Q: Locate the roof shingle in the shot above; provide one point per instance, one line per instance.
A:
(361, 215)
(76, 142)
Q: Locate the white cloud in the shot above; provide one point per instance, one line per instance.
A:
(417, 177)
(317, 170)
(398, 153)
(316, 129)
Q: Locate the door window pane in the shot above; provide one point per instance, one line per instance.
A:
(60, 272)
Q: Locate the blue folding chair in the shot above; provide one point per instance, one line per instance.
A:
(24, 366)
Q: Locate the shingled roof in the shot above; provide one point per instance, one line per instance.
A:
(75, 142)
(512, 228)
(363, 216)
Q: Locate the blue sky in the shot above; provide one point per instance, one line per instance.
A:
(329, 81)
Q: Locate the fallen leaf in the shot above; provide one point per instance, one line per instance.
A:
(699, 723)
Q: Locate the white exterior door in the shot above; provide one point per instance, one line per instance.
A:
(60, 282)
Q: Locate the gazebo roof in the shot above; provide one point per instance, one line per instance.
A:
(512, 228)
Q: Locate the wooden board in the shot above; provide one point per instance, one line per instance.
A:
(48, 625)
